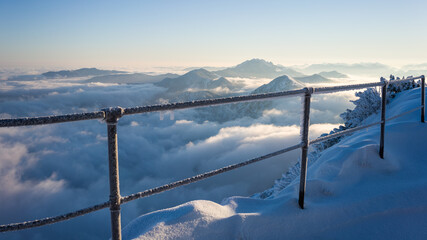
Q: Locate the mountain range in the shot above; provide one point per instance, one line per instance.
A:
(376, 69)
(82, 72)
(132, 78)
(254, 68)
(282, 83)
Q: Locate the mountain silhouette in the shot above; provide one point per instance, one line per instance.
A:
(282, 83)
(199, 79)
(258, 68)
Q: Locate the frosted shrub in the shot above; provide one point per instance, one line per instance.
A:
(368, 103)
(397, 87)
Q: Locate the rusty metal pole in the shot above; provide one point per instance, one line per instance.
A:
(383, 108)
(423, 95)
(112, 115)
(304, 140)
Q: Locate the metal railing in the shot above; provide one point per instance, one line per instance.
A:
(112, 115)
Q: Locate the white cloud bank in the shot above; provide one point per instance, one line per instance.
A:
(49, 170)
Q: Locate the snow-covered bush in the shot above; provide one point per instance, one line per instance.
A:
(368, 103)
(396, 87)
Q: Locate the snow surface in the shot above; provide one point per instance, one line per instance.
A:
(351, 194)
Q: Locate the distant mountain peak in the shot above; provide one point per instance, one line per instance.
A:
(282, 83)
(285, 79)
(200, 79)
(256, 60)
(201, 72)
(257, 68)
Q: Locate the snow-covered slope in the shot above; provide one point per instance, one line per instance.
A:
(351, 194)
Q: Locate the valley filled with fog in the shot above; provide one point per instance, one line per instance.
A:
(53, 169)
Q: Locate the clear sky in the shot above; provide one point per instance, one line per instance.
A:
(83, 33)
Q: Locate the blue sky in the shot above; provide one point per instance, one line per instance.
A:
(219, 33)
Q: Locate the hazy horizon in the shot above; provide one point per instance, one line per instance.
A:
(185, 68)
(150, 34)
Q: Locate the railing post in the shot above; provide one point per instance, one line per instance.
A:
(112, 115)
(423, 95)
(383, 106)
(305, 123)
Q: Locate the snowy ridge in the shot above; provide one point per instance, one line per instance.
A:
(351, 192)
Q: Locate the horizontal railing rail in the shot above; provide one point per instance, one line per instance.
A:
(112, 115)
(182, 105)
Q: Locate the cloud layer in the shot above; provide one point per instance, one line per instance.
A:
(49, 170)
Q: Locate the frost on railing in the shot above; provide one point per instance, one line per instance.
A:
(112, 115)
(51, 119)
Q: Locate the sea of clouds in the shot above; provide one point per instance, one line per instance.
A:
(53, 169)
